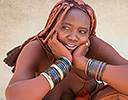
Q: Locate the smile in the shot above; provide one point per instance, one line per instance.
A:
(70, 46)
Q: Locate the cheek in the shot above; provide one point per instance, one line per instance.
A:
(83, 40)
(60, 36)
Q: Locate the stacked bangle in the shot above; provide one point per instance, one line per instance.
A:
(88, 63)
(48, 78)
(95, 69)
(66, 62)
(57, 71)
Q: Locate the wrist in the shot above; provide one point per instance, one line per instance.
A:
(57, 71)
(69, 59)
(79, 62)
(95, 68)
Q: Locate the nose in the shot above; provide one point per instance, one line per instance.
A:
(72, 37)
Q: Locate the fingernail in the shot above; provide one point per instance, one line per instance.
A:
(86, 43)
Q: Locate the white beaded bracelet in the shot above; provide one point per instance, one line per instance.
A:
(59, 70)
(49, 79)
(87, 66)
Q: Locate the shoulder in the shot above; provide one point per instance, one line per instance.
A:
(101, 50)
(28, 61)
(30, 58)
(34, 45)
(32, 49)
(32, 53)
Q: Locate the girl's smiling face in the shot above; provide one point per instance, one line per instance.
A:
(74, 29)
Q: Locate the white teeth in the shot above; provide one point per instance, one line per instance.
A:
(70, 45)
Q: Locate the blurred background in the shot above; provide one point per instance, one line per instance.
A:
(21, 19)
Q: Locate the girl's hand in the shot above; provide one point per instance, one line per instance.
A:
(58, 49)
(79, 59)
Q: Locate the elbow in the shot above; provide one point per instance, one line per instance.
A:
(7, 93)
(10, 95)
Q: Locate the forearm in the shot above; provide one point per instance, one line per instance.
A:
(37, 88)
(33, 89)
(117, 77)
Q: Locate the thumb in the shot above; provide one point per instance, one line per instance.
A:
(55, 36)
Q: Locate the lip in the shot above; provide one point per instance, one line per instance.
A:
(70, 46)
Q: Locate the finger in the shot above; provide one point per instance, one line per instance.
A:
(87, 47)
(52, 35)
(55, 36)
(50, 42)
(86, 51)
(83, 49)
(87, 43)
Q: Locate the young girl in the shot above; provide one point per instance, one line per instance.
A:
(65, 59)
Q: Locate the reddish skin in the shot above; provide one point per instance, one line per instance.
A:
(24, 85)
(58, 48)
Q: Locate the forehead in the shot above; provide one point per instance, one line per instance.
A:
(77, 16)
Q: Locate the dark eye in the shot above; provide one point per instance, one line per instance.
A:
(83, 32)
(65, 27)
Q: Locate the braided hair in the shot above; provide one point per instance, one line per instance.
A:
(60, 9)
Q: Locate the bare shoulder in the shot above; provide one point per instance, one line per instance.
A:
(32, 53)
(103, 51)
(28, 61)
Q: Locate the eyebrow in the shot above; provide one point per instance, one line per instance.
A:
(72, 25)
(66, 23)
